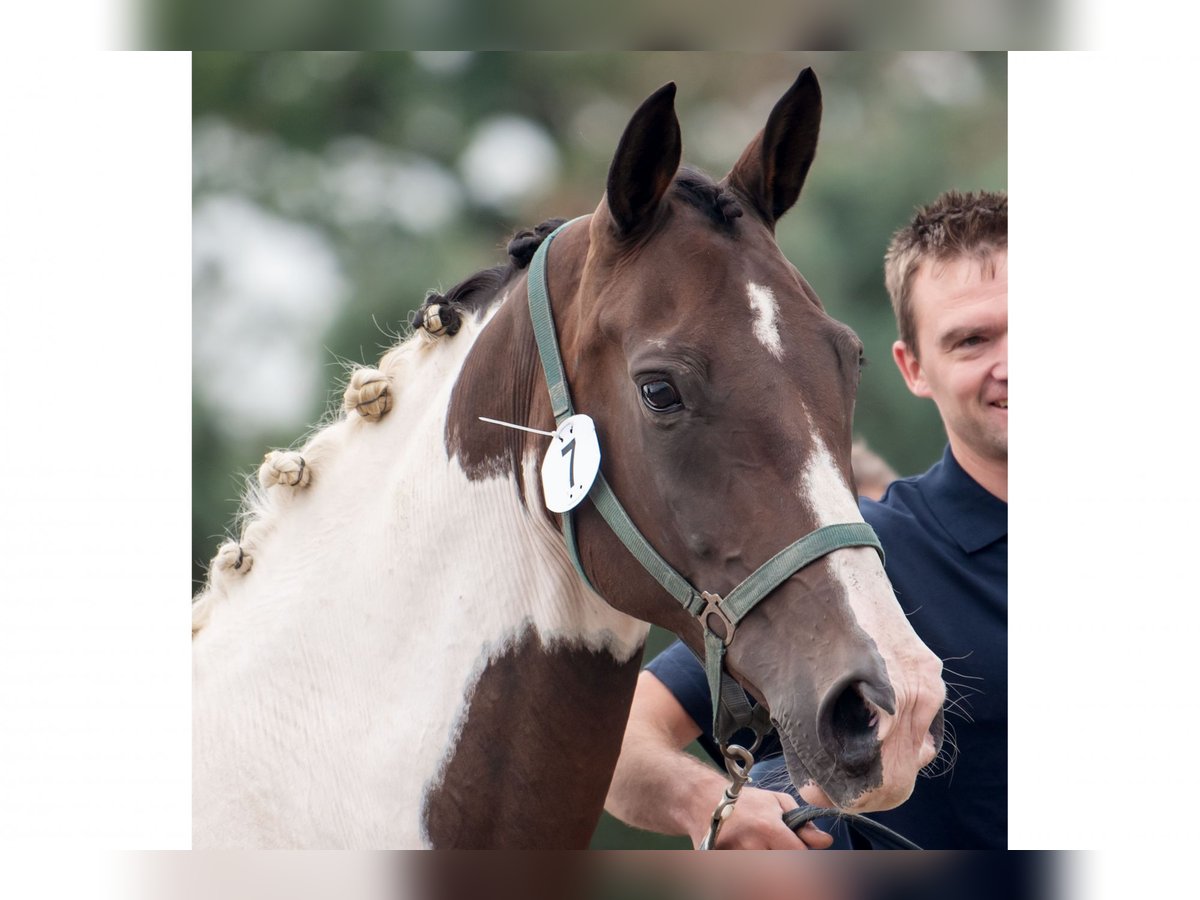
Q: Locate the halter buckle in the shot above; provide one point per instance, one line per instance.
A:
(712, 607)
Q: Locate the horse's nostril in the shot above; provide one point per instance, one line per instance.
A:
(937, 730)
(847, 726)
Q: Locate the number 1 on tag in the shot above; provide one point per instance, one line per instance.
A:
(571, 463)
(570, 448)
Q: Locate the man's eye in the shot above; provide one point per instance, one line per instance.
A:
(972, 341)
(660, 396)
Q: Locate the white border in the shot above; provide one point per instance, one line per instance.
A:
(95, 460)
(96, 285)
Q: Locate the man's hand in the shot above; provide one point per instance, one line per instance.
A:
(659, 787)
(756, 823)
(814, 796)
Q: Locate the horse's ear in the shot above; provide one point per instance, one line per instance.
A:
(645, 162)
(773, 168)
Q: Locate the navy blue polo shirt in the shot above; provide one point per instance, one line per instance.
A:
(946, 542)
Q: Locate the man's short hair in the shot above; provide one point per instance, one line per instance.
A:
(952, 226)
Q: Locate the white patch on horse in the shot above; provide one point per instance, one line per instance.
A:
(764, 308)
(860, 573)
(824, 489)
(329, 686)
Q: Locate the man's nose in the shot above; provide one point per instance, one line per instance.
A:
(1000, 362)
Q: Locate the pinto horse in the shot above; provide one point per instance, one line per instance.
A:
(399, 652)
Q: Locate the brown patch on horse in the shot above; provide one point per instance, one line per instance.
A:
(534, 719)
(502, 377)
(499, 391)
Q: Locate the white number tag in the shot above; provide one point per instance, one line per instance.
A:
(571, 464)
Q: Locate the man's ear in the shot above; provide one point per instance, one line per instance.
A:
(910, 368)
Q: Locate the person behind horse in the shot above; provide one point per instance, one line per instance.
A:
(872, 474)
(945, 534)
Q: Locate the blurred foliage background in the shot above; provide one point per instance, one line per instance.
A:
(519, 24)
(332, 190)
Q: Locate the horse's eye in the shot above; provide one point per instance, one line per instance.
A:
(660, 396)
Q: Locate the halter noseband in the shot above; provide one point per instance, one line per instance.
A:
(709, 608)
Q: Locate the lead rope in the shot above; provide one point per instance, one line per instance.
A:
(738, 763)
(795, 819)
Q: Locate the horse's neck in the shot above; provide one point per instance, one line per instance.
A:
(557, 703)
(338, 684)
(536, 749)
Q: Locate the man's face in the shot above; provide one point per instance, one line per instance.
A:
(962, 350)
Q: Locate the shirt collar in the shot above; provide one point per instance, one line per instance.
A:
(972, 515)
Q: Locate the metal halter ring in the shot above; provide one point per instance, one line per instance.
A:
(712, 607)
(738, 762)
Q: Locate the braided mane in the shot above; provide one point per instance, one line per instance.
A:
(370, 394)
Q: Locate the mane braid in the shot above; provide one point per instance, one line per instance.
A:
(696, 189)
(268, 491)
(476, 293)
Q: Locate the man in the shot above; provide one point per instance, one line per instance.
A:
(945, 534)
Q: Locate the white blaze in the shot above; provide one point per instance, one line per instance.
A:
(825, 490)
(826, 493)
(914, 672)
(764, 307)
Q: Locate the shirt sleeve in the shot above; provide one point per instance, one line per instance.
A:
(684, 676)
(681, 674)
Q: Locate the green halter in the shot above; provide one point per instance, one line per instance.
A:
(709, 608)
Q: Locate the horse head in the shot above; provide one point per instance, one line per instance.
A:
(722, 394)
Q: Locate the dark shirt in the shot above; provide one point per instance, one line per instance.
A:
(946, 542)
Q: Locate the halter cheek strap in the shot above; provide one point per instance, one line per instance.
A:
(718, 616)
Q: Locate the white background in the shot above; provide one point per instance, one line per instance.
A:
(95, 459)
